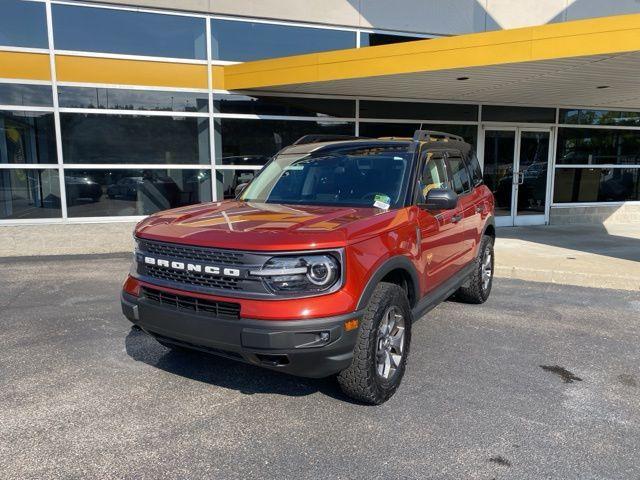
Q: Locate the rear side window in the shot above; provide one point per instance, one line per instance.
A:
(458, 173)
(474, 168)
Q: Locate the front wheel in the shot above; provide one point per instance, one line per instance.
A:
(380, 354)
(478, 287)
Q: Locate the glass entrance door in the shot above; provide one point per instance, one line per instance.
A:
(516, 169)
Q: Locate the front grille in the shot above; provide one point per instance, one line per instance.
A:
(192, 278)
(188, 252)
(224, 310)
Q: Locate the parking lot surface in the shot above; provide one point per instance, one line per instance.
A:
(84, 396)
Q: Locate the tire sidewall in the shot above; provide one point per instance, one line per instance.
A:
(487, 243)
(386, 388)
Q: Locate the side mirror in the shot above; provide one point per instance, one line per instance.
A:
(240, 188)
(440, 199)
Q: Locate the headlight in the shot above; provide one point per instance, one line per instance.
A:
(300, 274)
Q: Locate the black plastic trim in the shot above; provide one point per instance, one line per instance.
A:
(397, 262)
(441, 293)
(292, 342)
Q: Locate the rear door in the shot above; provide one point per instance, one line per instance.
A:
(460, 181)
(440, 232)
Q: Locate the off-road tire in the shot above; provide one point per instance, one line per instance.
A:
(473, 290)
(360, 380)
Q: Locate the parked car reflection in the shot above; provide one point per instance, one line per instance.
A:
(126, 188)
(82, 189)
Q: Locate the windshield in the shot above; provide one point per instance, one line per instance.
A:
(362, 177)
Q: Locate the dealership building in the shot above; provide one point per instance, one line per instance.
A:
(110, 111)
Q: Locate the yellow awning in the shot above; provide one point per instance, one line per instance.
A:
(593, 62)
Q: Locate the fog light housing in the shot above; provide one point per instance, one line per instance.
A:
(314, 339)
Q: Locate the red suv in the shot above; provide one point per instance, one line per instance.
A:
(322, 262)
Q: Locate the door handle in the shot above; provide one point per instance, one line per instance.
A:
(456, 218)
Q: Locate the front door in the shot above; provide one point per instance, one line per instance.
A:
(516, 169)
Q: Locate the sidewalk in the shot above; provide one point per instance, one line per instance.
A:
(589, 256)
(583, 255)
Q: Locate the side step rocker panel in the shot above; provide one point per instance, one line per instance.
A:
(444, 291)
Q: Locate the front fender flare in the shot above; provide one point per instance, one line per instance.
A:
(393, 263)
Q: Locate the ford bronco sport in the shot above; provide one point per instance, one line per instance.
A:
(323, 261)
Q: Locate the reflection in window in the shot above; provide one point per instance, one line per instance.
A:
(120, 99)
(589, 146)
(406, 130)
(574, 185)
(500, 113)
(90, 138)
(244, 41)
(418, 110)
(101, 193)
(228, 181)
(291, 106)
(27, 137)
(23, 24)
(253, 142)
(106, 30)
(26, 95)
(459, 175)
(599, 117)
(374, 39)
(29, 194)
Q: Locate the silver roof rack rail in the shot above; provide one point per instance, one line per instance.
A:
(434, 136)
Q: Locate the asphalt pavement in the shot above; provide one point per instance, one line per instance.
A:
(84, 396)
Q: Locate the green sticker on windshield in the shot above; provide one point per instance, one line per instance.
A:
(382, 201)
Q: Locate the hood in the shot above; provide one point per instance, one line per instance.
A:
(270, 227)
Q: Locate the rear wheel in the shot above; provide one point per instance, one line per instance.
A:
(478, 286)
(380, 354)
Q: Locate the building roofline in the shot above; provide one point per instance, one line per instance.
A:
(596, 36)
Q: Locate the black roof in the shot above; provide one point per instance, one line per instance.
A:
(328, 143)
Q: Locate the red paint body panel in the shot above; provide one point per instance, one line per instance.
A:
(435, 245)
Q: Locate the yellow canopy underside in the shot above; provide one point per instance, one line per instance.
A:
(552, 65)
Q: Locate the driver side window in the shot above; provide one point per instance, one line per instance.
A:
(434, 175)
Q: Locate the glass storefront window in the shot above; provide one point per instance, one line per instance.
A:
(26, 95)
(106, 30)
(23, 24)
(244, 41)
(289, 106)
(253, 142)
(575, 185)
(27, 137)
(590, 146)
(374, 39)
(120, 99)
(102, 193)
(599, 117)
(376, 130)
(228, 181)
(28, 194)
(98, 138)
(418, 110)
(499, 113)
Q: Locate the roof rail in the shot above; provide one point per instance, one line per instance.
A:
(434, 136)
(314, 138)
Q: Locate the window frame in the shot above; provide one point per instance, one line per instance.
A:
(421, 164)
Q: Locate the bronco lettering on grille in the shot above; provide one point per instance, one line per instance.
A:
(192, 267)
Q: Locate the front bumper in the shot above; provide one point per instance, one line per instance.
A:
(289, 346)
